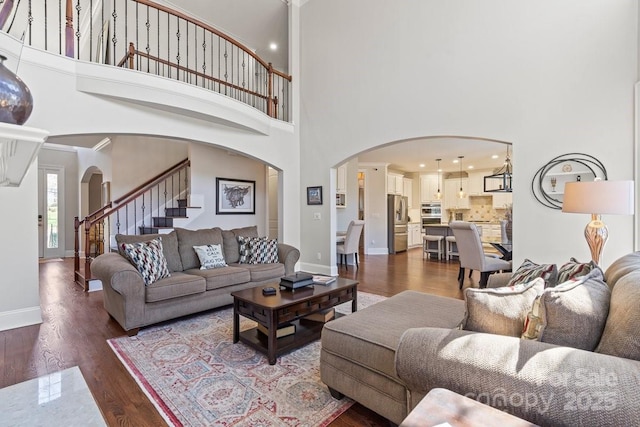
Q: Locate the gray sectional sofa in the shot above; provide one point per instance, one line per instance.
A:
(188, 289)
(390, 355)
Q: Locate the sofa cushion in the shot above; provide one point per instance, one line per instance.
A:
(529, 270)
(574, 269)
(210, 256)
(500, 311)
(169, 247)
(178, 285)
(263, 251)
(620, 336)
(222, 277)
(574, 313)
(260, 272)
(187, 239)
(621, 267)
(231, 247)
(148, 259)
(370, 337)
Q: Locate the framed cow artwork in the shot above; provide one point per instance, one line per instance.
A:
(235, 196)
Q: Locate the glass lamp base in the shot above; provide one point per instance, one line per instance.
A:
(596, 233)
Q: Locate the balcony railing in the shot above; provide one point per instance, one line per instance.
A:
(151, 38)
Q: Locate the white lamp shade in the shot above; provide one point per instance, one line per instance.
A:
(599, 197)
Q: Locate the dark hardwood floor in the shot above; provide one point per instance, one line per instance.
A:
(75, 329)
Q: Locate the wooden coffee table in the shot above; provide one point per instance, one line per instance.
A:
(287, 307)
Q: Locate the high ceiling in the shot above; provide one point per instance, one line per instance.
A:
(407, 156)
(254, 23)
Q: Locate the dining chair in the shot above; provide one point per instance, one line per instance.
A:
(471, 253)
(351, 242)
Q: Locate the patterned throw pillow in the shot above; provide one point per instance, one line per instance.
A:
(574, 269)
(529, 270)
(244, 246)
(263, 251)
(500, 311)
(210, 256)
(572, 313)
(148, 259)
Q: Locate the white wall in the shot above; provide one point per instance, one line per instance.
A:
(20, 302)
(551, 77)
(345, 215)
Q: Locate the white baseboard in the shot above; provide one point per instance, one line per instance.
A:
(19, 318)
(376, 251)
(317, 268)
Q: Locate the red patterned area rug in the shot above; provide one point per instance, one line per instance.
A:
(196, 376)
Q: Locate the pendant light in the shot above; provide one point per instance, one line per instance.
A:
(500, 180)
(438, 194)
(461, 194)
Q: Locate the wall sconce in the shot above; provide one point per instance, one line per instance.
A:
(19, 146)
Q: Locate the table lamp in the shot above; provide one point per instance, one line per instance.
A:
(597, 198)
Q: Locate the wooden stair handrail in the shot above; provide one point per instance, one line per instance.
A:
(144, 186)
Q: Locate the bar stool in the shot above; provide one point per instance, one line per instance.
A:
(450, 243)
(428, 249)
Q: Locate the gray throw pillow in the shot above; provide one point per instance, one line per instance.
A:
(231, 247)
(620, 337)
(169, 247)
(187, 239)
(574, 313)
(500, 311)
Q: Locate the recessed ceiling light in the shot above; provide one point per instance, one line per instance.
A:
(470, 167)
(421, 165)
(455, 160)
(495, 156)
(273, 46)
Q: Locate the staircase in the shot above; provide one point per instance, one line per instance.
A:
(139, 211)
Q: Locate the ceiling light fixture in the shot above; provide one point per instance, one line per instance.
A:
(500, 181)
(273, 46)
(461, 194)
(438, 194)
(421, 165)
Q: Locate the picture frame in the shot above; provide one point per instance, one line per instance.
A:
(235, 196)
(314, 195)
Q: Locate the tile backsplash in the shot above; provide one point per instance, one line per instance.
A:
(481, 209)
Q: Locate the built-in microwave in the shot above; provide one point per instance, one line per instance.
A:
(431, 210)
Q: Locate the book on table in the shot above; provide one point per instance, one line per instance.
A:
(283, 331)
(322, 316)
(297, 280)
(322, 279)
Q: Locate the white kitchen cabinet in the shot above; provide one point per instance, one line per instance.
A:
(395, 183)
(501, 199)
(407, 190)
(476, 183)
(429, 187)
(341, 179)
(415, 235)
(451, 189)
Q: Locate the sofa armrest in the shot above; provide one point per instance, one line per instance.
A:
(498, 280)
(540, 382)
(288, 255)
(123, 289)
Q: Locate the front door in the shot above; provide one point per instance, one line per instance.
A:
(51, 212)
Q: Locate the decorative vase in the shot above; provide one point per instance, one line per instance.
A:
(16, 101)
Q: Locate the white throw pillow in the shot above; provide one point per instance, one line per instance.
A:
(210, 256)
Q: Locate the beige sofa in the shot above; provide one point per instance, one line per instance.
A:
(188, 289)
(390, 355)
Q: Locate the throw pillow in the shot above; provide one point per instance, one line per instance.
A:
(230, 245)
(244, 247)
(169, 247)
(187, 239)
(572, 313)
(263, 251)
(210, 256)
(574, 269)
(620, 337)
(500, 310)
(529, 270)
(148, 259)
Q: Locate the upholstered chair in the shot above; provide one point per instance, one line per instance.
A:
(471, 253)
(351, 242)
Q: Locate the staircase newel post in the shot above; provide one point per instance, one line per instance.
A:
(132, 52)
(87, 253)
(76, 245)
(68, 30)
(270, 90)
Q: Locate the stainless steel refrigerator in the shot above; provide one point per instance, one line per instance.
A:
(397, 223)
